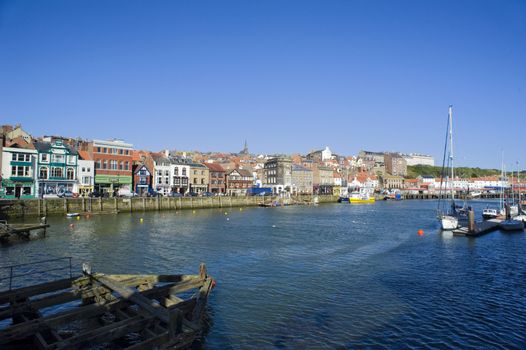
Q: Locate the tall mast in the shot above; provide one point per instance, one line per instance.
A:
(451, 150)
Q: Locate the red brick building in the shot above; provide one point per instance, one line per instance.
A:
(217, 173)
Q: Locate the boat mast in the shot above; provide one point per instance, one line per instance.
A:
(451, 151)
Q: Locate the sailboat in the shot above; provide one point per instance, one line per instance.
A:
(449, 219)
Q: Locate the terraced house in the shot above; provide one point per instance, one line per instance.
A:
(18, 171)
(56, 168)
(113, 164)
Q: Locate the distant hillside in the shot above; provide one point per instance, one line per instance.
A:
(414, 171)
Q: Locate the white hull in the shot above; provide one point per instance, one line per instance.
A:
(448, 222)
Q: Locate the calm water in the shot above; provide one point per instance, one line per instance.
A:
(332, 276)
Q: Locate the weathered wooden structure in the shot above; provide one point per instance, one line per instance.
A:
(23, 231)
(106, 311)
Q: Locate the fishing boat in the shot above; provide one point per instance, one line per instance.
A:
(490, 213)
(343, 199)
(72, 215)
(106, 311)
(449, 218)
(359, 197)
(511, 225)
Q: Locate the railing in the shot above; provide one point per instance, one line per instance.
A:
(14, 274)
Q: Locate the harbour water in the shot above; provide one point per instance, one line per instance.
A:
(315, 277)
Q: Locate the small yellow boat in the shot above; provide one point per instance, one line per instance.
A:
(361, 198)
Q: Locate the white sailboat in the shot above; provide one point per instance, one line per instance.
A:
(448, 220)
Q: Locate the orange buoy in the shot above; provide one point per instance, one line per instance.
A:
(420, 232)
(71, 225)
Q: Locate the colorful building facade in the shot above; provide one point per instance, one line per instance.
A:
(56, 168)
(18, 173)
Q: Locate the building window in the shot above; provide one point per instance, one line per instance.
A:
(105, 165)
(121, 151)
(57, 172)
(98, 149)
(166, 173)
(195, 181)
(98, 164)
(89, 170)
(120, 166)
(113, 164)
(127, 166)
(13, 157)
(104, 150)
(202, 181)
(176, 171)
(26, 190)
(70, 173)
(57, 158)
(10, 191)
(184, 171)
(44, 157)
(71, 159)
(43, 172)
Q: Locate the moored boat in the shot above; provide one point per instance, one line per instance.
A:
(72, 215)
(361, 198)
(490, 213)
(448, 222)
(511, 225)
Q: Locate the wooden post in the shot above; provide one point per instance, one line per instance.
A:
(157, 199)
(45, 206)
(131, 204)
(83, 204)
(471, 219)
(65, 205)
(143, 203)
(100, 203)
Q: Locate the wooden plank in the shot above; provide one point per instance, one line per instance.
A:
(22, 330)
(202, 298)
(134, 296)
(105, 333)
(51, 300)
(26, 292)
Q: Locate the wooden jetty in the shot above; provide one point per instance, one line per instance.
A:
(106, 311)
(9, 231)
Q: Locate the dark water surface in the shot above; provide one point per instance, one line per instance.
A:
(325, 277)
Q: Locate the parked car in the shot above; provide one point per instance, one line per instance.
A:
(50, 195)
(128, 194)
(207, 194)
(67, 194)
(175, 194)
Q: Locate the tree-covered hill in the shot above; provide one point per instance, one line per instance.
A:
(414, 171)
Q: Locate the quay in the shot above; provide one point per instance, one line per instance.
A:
(9, 231)
(23, 208)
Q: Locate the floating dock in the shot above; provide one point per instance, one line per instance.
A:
(106, 311)
(481, 228)
(9, 231)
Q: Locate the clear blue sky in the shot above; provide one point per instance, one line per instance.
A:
(289, 76)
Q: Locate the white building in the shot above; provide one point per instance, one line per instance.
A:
(418, 159)
(326, 154)
(85, 177)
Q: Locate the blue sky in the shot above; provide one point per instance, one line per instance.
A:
(288, 76)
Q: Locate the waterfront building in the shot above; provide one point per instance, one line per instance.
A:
(18, 171)
(180, 175)
(199, 178)
(392, 182)
(113, 164)
(418, 159)
(163, 170)
(85, 174)
(142, 169)
(395, 164)
(56, 168)
(301, 179)
(216, 182)
(278, 174)
(322, 179)
(238, 181)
